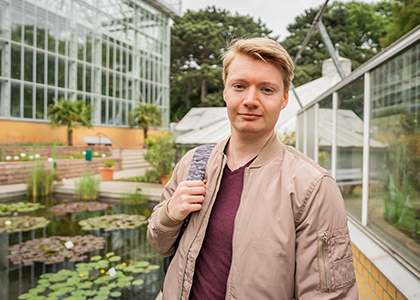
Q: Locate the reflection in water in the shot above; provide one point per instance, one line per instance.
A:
(130, 244)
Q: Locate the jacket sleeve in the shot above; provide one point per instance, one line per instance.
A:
(324, 259)
(162, 230)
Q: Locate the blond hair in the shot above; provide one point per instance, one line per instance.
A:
(260, 48)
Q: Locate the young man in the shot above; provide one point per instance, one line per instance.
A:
(267, 222)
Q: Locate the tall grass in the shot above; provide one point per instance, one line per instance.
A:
(133, 197)
(87, 187)
(39, 180)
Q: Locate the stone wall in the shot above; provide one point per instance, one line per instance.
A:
(16, 172)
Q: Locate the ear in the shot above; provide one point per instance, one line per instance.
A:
(224, 95)
(285, 99)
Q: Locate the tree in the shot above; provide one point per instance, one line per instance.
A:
(69, 113)
(197, 41)
(145, 116)
(354, 28)
(405, 16)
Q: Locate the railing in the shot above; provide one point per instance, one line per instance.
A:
(116, 143)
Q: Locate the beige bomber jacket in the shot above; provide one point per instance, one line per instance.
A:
(290, 238)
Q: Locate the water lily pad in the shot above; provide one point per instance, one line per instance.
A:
(138, 282)
(100, 297)
(115, 258)
(9, 208)
(75, 298)
(123, 284)
(110, 254)
(85, 285)
(153, 267)
(24, 223)
(43, 281)
(116, 294)
(141, 264)
(119, 267)
(96, 258)
(37, 290)
(113, 222)
(128, 269)
(45, 276)
(112, 285)
(138, 270)
(26, 296)
(90, 293)
(78, 207)
(78, 293)
(58, 278)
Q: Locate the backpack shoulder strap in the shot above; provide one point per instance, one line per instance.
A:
(199, 162)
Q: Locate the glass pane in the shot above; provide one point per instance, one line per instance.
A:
(117, 86)
(52, 33)
(39, 113)
(394, 200)
(27, 102)
(89, 43)
(4, 29)
(118, 59)
(15, 100)
(80, 77)
(16, 24)
(110, 111)
(111, 84)
(124, 87)
(310, 132)
(40, 67)
(2, 112)
(325, 127)
(111, 56)
(29, 29)
(350, 145)
(117, 112)
(29, 63)
(88, 79)
(61, 72)
(40, 33)
(124, 113)
(16, 61)
(103, 111)
(62, 38)
(51, 70)
(104, 54)
(81, 46)
(50, 97)
(104, 86)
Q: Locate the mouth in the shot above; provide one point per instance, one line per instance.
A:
(250, 116)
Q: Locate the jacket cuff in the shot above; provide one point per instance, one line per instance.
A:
(165, 222)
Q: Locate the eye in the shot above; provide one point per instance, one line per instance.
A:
(268, 90)
(238, 86)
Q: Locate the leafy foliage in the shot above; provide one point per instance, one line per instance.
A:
(113, 222)
(405, 16)
(19, 207)
(197, 41)
(53, 250)
(87, 187)
(69, 113)
(25, 223)
(145, 116)
(90, 280)
(161, 153)
(355, 29)
(39, 180)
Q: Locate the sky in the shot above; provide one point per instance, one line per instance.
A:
(276, 14)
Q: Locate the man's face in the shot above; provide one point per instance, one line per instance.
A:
(254, 96)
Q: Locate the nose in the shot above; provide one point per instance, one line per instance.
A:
(251, 97)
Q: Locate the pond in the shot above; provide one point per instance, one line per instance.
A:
(130, 245)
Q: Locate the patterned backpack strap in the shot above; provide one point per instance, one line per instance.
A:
(196, 172)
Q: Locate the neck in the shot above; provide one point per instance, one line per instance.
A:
(241, 150)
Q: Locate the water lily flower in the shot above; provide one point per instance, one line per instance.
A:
(7, 223)
(102, 271)
(80, 275)
(124, 264)
(107, 256)
(22, 155)
(16, 157)
(31, 204)
(37, 156)
(50, 159)
(103, 155)
(8, 157)
(31, 157)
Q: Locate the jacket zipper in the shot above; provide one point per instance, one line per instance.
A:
(324, 252)
(201, 223)
(233, 236)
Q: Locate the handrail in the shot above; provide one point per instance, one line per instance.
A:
(121, 147)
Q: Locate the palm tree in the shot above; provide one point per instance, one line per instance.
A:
(145, 116)
(69, 113)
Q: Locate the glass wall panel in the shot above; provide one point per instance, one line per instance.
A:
(2, 53)
(104, 85)
(51, 70)
(110, 111)
(63, 35)
(89, 45)
(61, 72)
(310, 132)
(27, 102)
(40, 67)
(117, 112)
(88, 79)
(29, 64)
(29, 29)
(301, 130)
(80, 77)
(350, 145)
(4, 28)
(16, 24)
(15, 100)
(325, 132)
(40, 33)
(50, 97)
(16, 61)
(394, 200)
(52, 35)
(39, 113)
(103, 111)
(124, 113)
(2, 99)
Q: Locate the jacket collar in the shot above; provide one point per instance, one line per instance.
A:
(271, 148)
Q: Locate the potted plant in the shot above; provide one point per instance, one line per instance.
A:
(161, 155)
(107, 172)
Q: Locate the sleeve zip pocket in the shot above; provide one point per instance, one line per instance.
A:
(323, 262)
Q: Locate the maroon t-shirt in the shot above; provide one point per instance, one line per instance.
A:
(213, 263)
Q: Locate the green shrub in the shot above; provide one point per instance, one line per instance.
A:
(109, 163)
(39, 180)
(134, 197)
(161, 153)
(87, 187)
(150, 176)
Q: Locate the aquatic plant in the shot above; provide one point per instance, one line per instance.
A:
(24, 223)
(133, 197)
(78, 207)
(87, 187)
(54, 249)
(113, 222)
(39, 180)
(9, 208)
(98, 280)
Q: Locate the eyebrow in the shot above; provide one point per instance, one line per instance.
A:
(268, 82)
